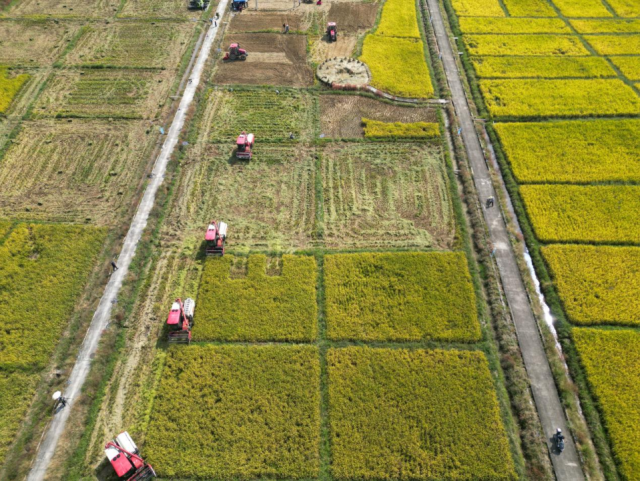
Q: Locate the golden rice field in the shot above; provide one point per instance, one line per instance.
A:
(542, 67)
(373, 428)
(600, 214)
(626, 8)
(529, 8)
(16, 392)
(611, 359)
(524, 44)
(615, 44)
(375, 129)
(511, 25)
(597, 284)
(629, 66)
(478, 8)
(572, 151)
(559, 98)
(10, 85)
(607, 26)
(582, 8)
(398, 20)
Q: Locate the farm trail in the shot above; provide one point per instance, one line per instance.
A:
(566, 466)
(102, 315)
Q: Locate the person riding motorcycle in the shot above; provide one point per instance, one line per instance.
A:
(559, 440)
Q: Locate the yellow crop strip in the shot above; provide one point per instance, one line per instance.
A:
(542, 67)
(399, 18)
(582, 8)
(629, 66)
(400, 297)
(16, 393)
(626, 8)
(529, 8)
(9, 88)
(611, 359)
(386, 403)
(615, 44)
(578, 213)
(573, 151)
(257, 307)
(237, 412)
(374, 129)
(559, 98)
(478, 8)
(606, 26)
(544, 45)
(597, 284)
(508, 25)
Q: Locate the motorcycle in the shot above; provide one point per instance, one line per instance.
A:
(559, 439)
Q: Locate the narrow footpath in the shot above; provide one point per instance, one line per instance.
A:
(566, 465)
(102, 315)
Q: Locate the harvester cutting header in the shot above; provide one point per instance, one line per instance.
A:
(215, 238)
(180, 321)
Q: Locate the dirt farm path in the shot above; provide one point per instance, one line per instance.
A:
(566, 465)
(103, 313)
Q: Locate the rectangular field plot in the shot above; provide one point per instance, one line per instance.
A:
(525, 44)
(270, 115)
(512, 25)
(253, 412)
(65, 8)
(580, 213)
(626, 8)
(529, 8)
(429, 415)
(629, 66)
(386, 196)
(33, 44)
(10, 85)
(606, 26)
(156, 9)
(104, 93)
(257, 306)
(582, 8)
(80, 171)
(131, 45)
(615, 44)
(573, 151)
(269, 203)
(542, 67)
(400, 297)
(398, 20)
(597, 285)
(43, 269)
(16, 393)
(612, 362)
(559, 98)
(478, 8)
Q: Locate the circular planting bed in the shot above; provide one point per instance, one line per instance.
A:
(344, 71)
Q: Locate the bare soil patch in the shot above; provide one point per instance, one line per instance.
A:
(33, 44)
(132, 45)
(74, 171)
(322, 49)
(274, 59)
(66, 8)
(107, 93)
(353, 17)
(341, 115)
(249, 21)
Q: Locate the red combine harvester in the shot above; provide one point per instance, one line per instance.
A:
(235, 53)
(180, 321)
(332, 31)
(244, 142)
(125, 458)
(215, 238)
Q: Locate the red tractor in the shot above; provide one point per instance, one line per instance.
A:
(332, 31)
(235, 53)
(125, 458)
(180, 321)
(215, 238)
(244, 144)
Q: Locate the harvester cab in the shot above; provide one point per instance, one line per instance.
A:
(198, 4)
(124, 456)
(244, 144)
(332, 31)
(239, 5)
(180, 321)
(235, 53)
(215, 238)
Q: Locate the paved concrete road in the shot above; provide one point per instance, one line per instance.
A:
(566, 465)
(103, 313)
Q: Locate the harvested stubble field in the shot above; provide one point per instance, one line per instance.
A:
(65, 8)
(354, 17)
(573, 151)
(402, 414)
(252, 21)
(271, 114)
(268, 202)
(510, 25)
(74, 171)
(341, 115)
(43, 269)
(16, 392)
(541, 45)
(252, 412)
(400, 297)
(542, 67)
(386, 196)
(597, 285)
(274, 59)
(131, 45)
(10, 85)
(257, 306)
(559, 98)
(155, 9)
(106, 93)
(598, 214)
(612, 361)
(33, 43)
